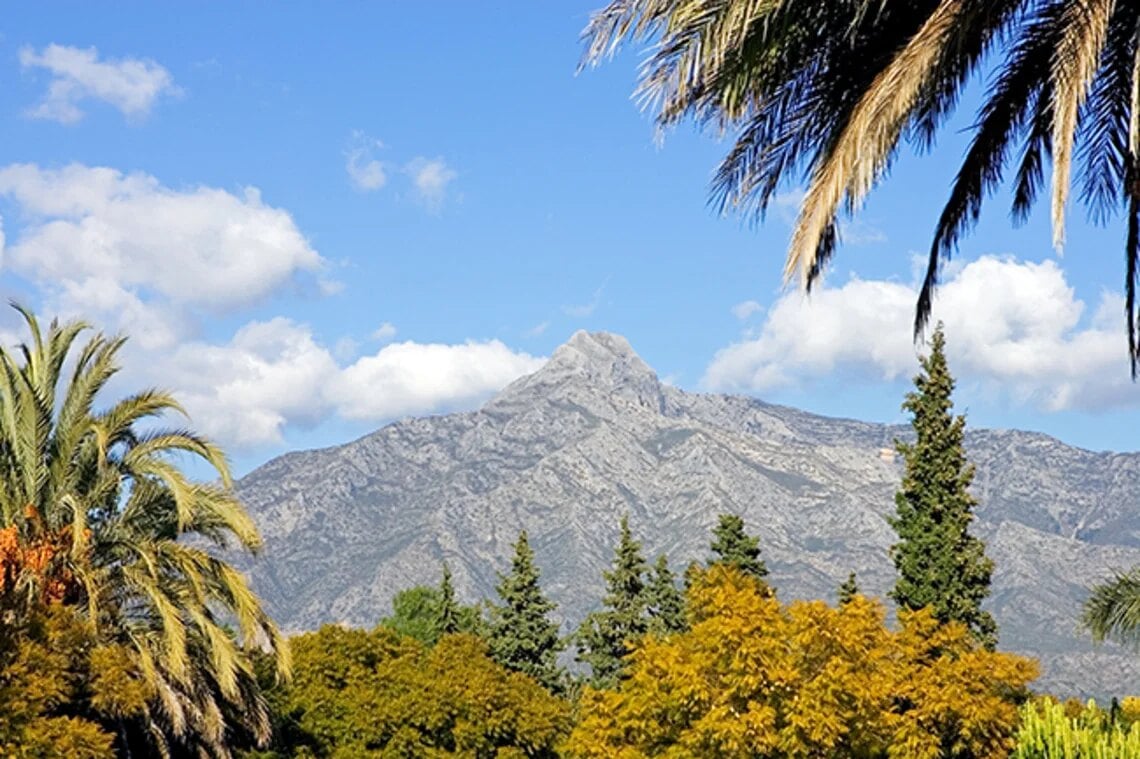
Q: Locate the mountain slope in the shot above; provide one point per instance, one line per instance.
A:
(594, 434)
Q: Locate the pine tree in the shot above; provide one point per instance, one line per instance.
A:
(666, 603)
(605, 636)
(848, 590)
(521, 636)
(939, 563)
(733, 546)
(448, 622)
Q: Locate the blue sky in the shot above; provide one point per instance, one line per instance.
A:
(313, 219)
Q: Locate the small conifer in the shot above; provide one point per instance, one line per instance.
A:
(522, 637)
(605, 636)
(733, 546)
(666, 603)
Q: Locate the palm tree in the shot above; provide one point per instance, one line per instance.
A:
(129, 533)
(1113, 609)
(827, 91)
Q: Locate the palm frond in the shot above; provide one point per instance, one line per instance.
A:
(1112, 611)
(866, 143)
(1084, 29)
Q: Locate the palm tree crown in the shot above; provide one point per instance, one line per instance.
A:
(128, 532)
(827, 91)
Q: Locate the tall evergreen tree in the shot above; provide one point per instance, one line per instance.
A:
(521, 635)
(940, 564)
(665, 601)
(448, 618)
(733, 546)
(605, 636)
(848, 590)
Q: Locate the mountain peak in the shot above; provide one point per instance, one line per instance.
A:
(598, 347)
(598, 363)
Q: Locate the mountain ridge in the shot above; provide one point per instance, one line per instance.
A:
(594, 433)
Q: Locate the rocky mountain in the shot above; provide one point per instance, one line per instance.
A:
(594, 434)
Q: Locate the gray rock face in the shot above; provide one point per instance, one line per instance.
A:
(563, 453)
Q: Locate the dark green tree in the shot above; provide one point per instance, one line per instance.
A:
(605, 636)
(848, 590)
(447, 619)
(665, 600)
(733, 546)
(521, 636)
(940, 564)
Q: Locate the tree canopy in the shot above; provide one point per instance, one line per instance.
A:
(375, 694)
(752, 677)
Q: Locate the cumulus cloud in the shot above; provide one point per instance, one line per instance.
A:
(98, 241)
(131, 85)
(275, 374)
(244, 392)
(745, 309)
(415, 378)
(1016, 327)
(365, 172)
(132, 255)
(430, 179)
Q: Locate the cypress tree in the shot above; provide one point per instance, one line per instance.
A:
(940, 564)
(605, 635)
(733, 546)
(666, 604)
(848, 590)
(521, 636)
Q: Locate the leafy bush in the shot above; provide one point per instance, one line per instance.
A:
(753, 677)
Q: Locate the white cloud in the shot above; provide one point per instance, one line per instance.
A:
(271, 374)
(364, 171)
(97, 240)
(430, 179)
(385, 332)
(1014, 327)
(414, 378)
(275, 374)
(131, 85)
(132, 255)
(745, 309)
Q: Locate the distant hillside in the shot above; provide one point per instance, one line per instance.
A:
(594, 434)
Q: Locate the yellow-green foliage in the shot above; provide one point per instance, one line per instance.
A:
(1049, 731)
(59, 687)
(755, 678)
(374, 694)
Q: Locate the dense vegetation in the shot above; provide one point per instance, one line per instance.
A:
(122, 632)
(120, 636)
